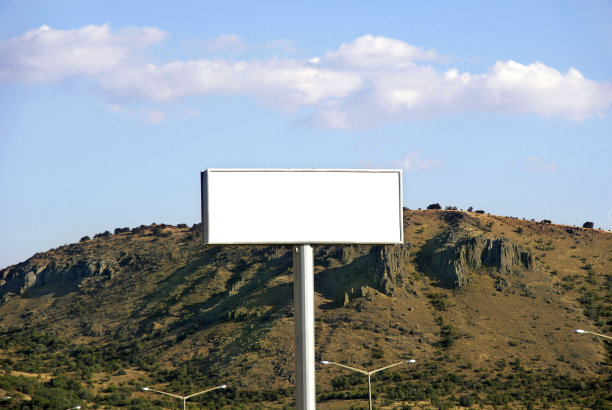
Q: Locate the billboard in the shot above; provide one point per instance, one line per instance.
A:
(301, 206)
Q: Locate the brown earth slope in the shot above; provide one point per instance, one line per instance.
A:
(485, 304)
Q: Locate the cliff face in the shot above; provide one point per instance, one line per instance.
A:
(20, 278)
(393, 267)
(452, 257)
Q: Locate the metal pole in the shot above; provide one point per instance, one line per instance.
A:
(303, 293)
(370, 390)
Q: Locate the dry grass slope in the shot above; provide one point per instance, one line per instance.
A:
(486, 304)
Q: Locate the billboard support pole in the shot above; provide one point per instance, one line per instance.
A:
(303, 292)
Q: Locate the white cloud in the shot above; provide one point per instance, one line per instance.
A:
(45, 54)
(369, 52)
(368, 81)
(287, 84)
(412, 162)
(541, 89)
(538, 164)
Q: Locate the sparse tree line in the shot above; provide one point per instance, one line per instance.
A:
(156, 229)
(161, 230)
(437, 206)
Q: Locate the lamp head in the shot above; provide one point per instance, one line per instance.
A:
(324, 362)
(223, 386)
(411, 361)
(145, 389)
(580, 331)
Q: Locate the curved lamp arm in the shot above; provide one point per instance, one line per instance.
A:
(346, 367)
(223, 386)
(367, 373)
(591, 333)
(162, 392)
(392, 365)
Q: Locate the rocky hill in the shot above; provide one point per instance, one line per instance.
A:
(485, 304)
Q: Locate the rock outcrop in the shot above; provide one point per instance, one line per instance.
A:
(20, 278)
(451, 258)
(392, 261)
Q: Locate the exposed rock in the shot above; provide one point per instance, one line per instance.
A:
(450, 258)
(20, 278)
(392, 262)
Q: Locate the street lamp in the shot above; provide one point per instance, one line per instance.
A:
(184, 398)
(368, 373)
(591, 333)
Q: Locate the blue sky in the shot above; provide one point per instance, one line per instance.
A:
(109, 109)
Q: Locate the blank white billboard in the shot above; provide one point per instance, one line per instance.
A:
(301, 206)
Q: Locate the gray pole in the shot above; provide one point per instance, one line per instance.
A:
(303, 293)
(370, 390)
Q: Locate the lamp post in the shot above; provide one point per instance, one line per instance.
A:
(591, 333)
(368, 373)
(184, 398)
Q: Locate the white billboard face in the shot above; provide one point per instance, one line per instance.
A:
(302, 206)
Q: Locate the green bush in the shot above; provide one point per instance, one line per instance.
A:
(467, 401)
(438, 300)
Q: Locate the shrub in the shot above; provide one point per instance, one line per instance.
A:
(479, 211)
(434, 206)
(160, 231)
(85, 238)
(467, 401)
(588, 224)
(438, 300)
(449, 335)
(102, 235)
(139, 229)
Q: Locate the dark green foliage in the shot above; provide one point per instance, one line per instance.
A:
(346, 381)
(102, 235)
(58, 393)
(161, 231)
(468, 400)
(434, 206)
(595, 308)
(85, 238)
(588, 224)
(438, 300)
(138, 229)
(449, 335)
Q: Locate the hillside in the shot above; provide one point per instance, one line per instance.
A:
(485, 304)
